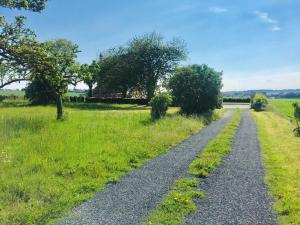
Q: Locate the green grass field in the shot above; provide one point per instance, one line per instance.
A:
(12, 92)
(283, 106)
(47, 167)
(281, 156)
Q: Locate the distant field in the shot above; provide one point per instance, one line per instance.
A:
(22, 93)
(284, 106)
(12, 92)
(47, 167)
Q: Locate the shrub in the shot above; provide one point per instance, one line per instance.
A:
(196, 89)
(297, 118)
(39, 92)
(160, 104)
(259, 102)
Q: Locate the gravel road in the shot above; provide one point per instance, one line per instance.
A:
(129, 201)
(236, 193)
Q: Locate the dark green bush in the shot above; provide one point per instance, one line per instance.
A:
(160, 104)
(196, 89)
(39, 93)
(259, 102)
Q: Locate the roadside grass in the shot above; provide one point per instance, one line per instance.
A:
(48, 166)
(283, 106)
(178, 203)
(281, 156)
(212, 155)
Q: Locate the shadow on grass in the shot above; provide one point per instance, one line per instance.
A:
(104, 106)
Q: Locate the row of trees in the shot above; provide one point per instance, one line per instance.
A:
(140, 68)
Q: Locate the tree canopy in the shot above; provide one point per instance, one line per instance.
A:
(33, 5)
(196, 89)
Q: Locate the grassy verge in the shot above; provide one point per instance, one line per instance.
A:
(178, 203)
(281, 154)
(47, 167)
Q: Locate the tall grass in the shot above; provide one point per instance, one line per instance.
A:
(47, 167)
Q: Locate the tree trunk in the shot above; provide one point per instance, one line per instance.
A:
(150, 92)
(90, 94)
(59, 107)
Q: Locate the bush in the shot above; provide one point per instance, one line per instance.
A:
(297, 118)
(160, 104)
(259, 102)
(39, 93)
(196, 89)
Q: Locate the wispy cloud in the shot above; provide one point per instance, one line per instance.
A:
(215, 9)
(265, 18)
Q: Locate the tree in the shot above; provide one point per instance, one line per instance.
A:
(259, 102)
(33, 5)
(118, 71)
(39, 92)
(88, 74)
(196, 89)
(153, 59)
(159, 105)
(59, 69)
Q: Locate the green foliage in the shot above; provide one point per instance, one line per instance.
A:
(160, 104)
(259, 102)
(46, 168)
(196, 89)
(88, 74)
(177, 204)
(154, 59)
(212, 155)
(33, 5)
(118, 72)
(297, 117)
(39, 92)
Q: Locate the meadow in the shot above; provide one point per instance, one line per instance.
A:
(283, 106)
(48, 166)
(281, 156)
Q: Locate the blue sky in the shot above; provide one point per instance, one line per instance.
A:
(255, 43)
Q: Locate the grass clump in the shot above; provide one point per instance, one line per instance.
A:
(177, 204)
(281, 157)
(213, 154)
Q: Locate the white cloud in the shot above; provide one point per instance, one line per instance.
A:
(265, 18)
(215, 9)
(276, 28)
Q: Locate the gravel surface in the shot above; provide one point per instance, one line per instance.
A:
(129, 201)
(236, 193)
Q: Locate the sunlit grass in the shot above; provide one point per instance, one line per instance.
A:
(47, 167)
(281, 154)
(284, 106)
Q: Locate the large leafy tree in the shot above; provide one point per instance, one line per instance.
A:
(153, 59)
(196, 89)
(19, 51)
(59, 69)
(118, 71)
(33, 5)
